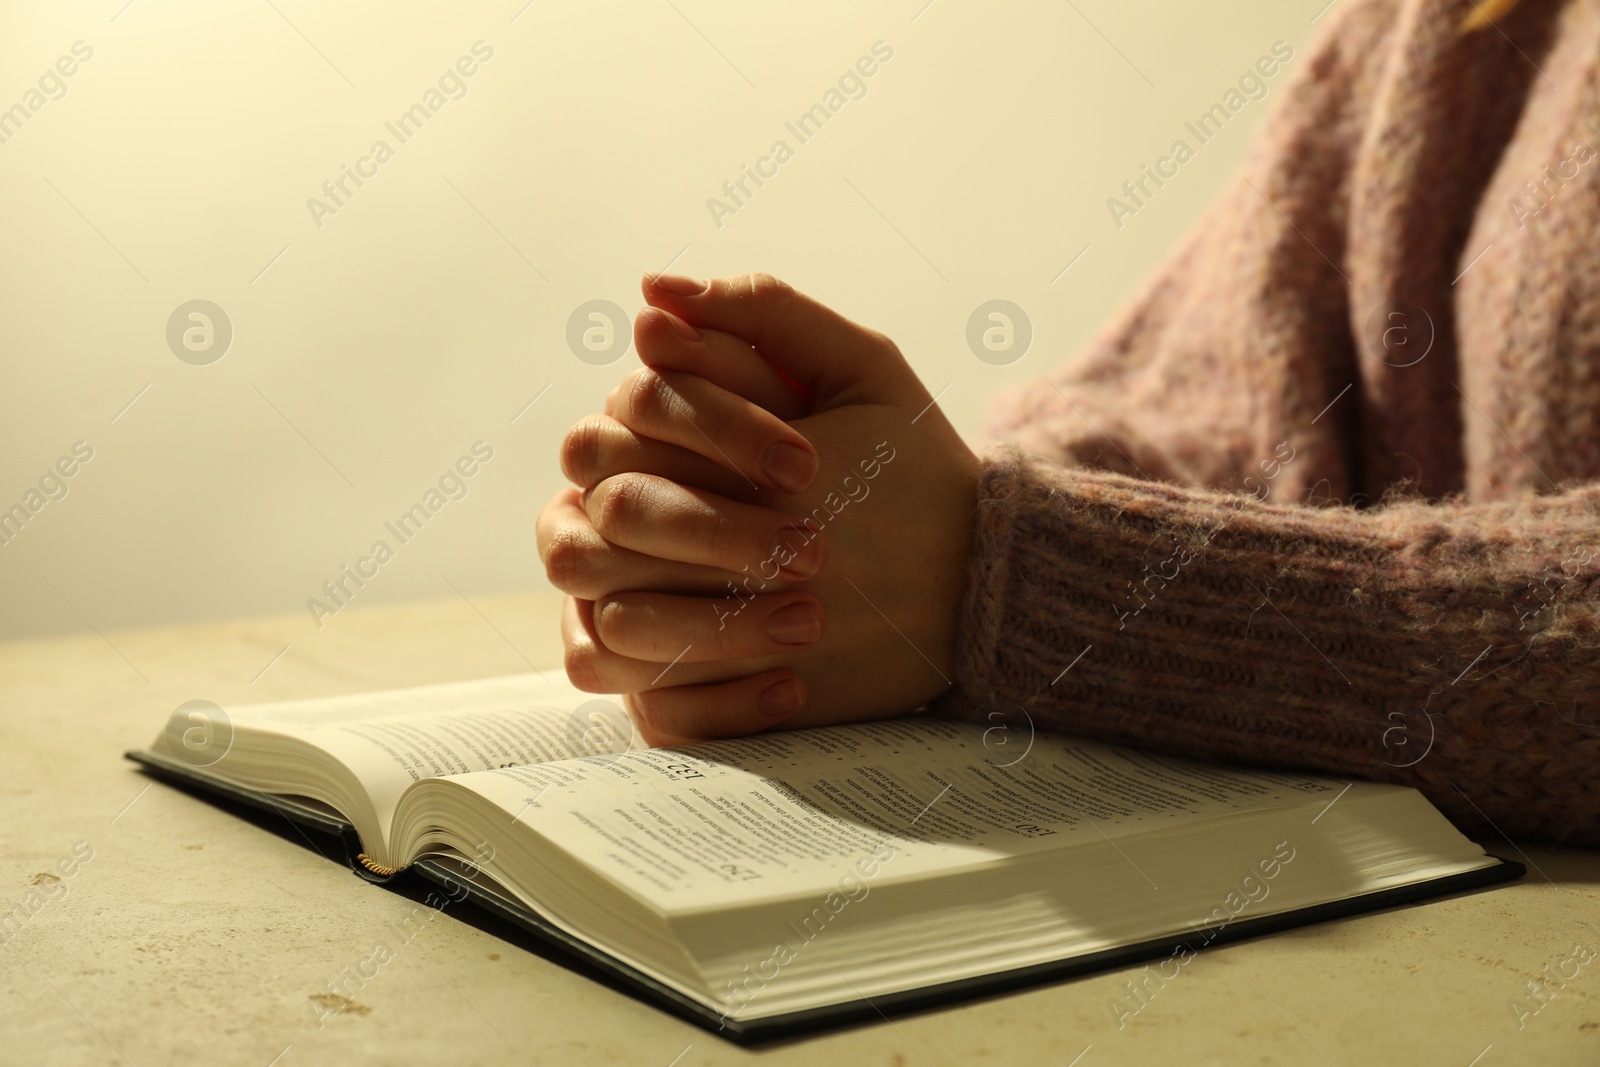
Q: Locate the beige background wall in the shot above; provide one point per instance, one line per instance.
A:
(371, 352)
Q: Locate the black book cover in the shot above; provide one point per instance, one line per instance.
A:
(458, 884)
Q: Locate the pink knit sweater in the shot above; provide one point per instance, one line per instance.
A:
(1326, 494)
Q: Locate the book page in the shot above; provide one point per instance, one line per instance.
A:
(716, 823)
(388, 740)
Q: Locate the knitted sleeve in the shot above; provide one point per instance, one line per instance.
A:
(1444, 646)
(1168, 552)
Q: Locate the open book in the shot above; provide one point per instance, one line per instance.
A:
(802, 878)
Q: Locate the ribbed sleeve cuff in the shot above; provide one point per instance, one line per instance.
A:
(989, 572)
(1138, 611)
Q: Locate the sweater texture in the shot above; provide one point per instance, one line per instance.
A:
(1325, 494)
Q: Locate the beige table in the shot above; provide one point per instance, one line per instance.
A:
(192, 936)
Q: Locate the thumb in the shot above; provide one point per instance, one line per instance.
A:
(806, 341)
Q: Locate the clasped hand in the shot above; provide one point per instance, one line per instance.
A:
(770, 522)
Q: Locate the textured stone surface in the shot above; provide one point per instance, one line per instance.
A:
(193, 936)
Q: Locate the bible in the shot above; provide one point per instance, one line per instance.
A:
(800, 879)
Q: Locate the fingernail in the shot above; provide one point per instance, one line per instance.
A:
(686, 331)
(795, 555)
(796, 624)
(680, 285)
(790, 467)
(781, 698)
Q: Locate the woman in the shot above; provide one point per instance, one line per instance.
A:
(1324, 495)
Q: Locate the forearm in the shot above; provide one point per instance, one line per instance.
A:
(1450, 647)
